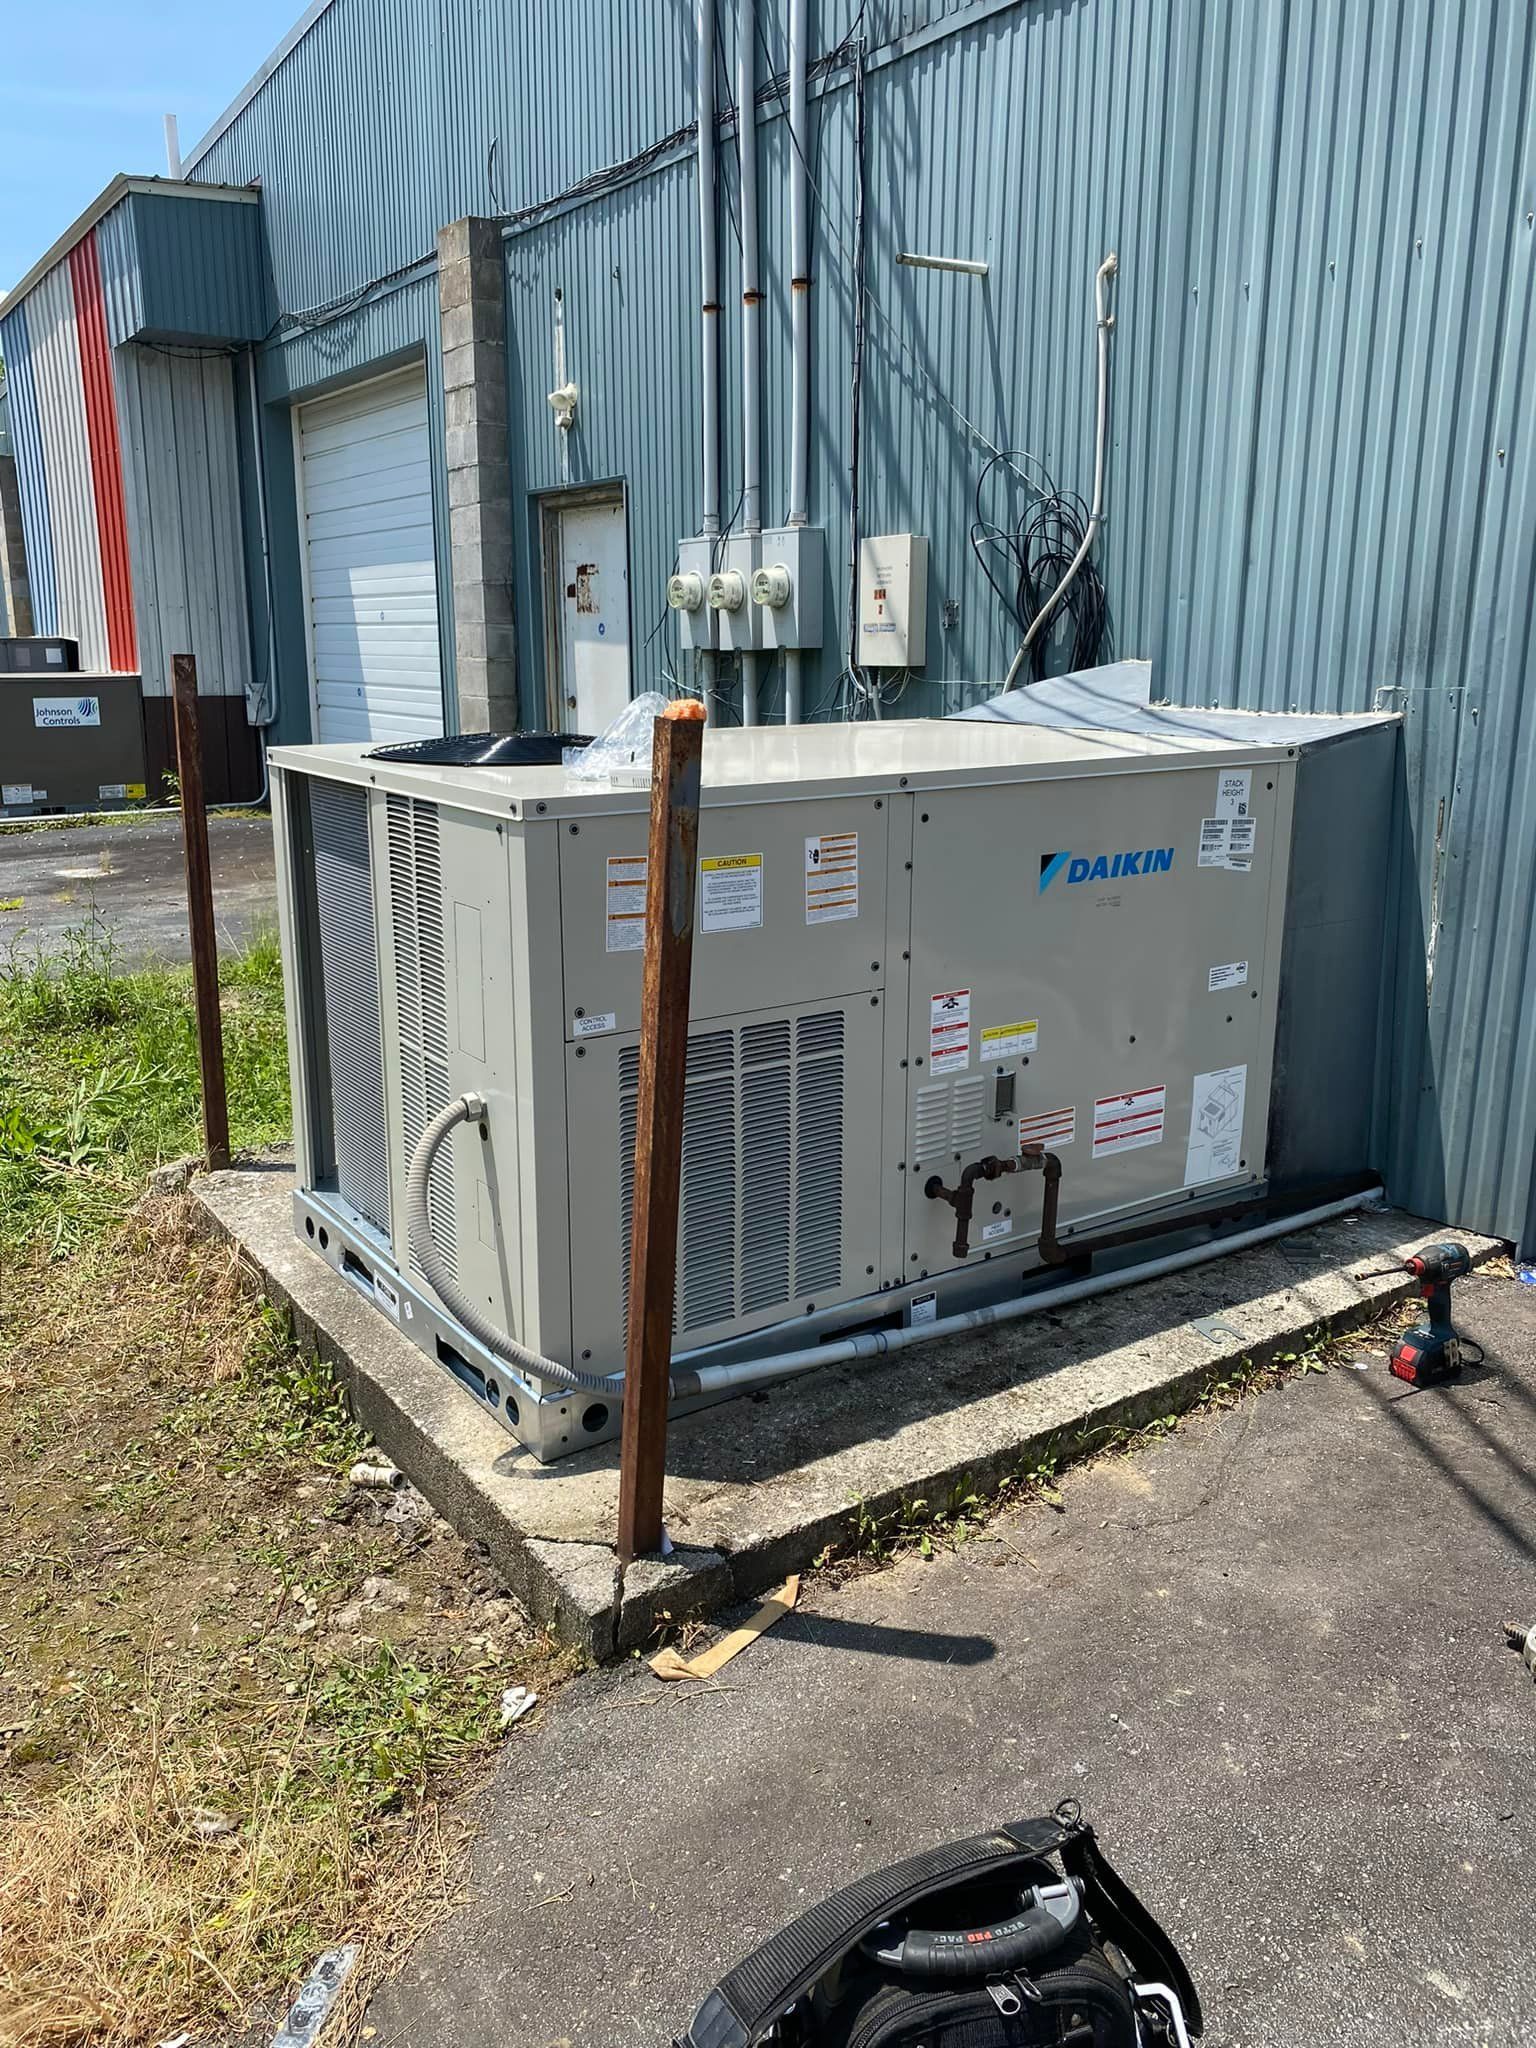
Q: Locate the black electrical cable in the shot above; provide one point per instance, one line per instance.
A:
(1033, 552)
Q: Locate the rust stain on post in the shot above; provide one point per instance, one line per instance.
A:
(672, 866)
(205, 949)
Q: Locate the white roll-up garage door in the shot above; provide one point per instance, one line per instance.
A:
(365, 496)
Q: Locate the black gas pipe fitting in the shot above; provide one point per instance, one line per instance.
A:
(963, 1198)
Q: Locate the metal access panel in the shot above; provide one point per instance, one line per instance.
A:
(69, 742)
(1094, 971)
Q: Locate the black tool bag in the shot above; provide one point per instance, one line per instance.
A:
(980, 1944)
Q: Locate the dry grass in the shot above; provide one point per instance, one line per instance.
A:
(208, 1774)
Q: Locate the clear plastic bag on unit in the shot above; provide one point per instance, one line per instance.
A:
(622, 752)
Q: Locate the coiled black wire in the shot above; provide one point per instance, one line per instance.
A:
(1026, 560)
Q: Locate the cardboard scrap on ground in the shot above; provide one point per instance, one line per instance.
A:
(668, 1664)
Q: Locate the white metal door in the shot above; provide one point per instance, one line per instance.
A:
(370, 561)
(590, 550)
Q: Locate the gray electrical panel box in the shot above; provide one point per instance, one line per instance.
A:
(918, 944)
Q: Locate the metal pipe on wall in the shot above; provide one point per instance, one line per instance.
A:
(800, 314)
(709, 290)
(751, 314)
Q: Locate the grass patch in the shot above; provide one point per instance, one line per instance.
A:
(99, 1078)
(237, 1691)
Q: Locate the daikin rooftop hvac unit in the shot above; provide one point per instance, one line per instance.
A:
(919, 945)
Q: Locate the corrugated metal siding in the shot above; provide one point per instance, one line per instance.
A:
(31, 467)
(81, 607)
(106, 455)
(177, 415)
(1324, 220)
(122, 280)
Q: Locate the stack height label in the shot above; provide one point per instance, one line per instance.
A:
(949, 1031)
(1125, 1123)
(831, 877)
(625, 892)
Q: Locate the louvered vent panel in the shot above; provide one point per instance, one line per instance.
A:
(338, 819)
(818, 1153)
(421, 997)
(967, 1111)
(930, 1124)
(762, 1193)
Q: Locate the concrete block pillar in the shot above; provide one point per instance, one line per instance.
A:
(13, 553)
(472, 314)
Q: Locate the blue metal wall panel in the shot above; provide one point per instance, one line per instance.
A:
(122, 280)
(1318, 490)
(31, 469)
(183, 272)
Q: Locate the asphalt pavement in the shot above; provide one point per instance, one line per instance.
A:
(1266, 1654)
(129, 878)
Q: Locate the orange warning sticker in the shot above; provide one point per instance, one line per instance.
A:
(625, 905)
(1047, 1129)
(831, 877)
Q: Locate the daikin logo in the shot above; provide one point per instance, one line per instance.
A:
(1103, 867)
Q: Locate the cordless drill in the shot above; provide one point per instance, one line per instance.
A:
(1433, 1350)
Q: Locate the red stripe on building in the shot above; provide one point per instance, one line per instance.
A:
(106, 454)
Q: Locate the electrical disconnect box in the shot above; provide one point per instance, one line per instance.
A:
(919, 946)
(893, 601)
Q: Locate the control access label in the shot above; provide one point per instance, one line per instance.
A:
(949, 1031)
(1125, 1123)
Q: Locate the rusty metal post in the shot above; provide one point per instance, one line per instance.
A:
(205, 949)
(672, 860)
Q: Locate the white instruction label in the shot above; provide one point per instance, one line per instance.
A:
(1048, 1129)
(626, 902)
(1227, 843)
(1216, 1126)
(731, 892)
(831, 877)
(1233, 975)
(1008, 1041)
(923, 1308)
(1233, 789)
(949, 1031)
(1124, 1123)
(1000, 1226)
(594, 1027)
(15, 792)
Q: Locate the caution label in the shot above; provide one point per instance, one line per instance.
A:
(731, 892)
(831, 877)
(949, 1031)
(1125, 1123)
(625, 906)
(1008, 1041)
(1048, 1129)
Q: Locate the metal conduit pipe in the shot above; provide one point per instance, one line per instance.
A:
(1105, 321)
(709, 294)
(751, 318)
(800, 317)
(469, 1109)
(751, 1372)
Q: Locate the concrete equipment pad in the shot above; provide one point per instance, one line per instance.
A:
(757, 1487)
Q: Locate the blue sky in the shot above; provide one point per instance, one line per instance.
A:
(83, 87)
